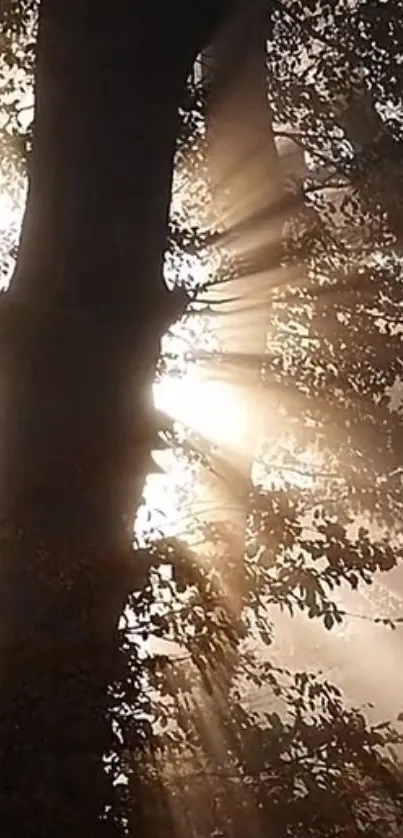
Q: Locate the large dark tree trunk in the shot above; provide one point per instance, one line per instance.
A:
(81, 329)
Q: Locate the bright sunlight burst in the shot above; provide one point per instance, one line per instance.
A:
(7, 212)
(213, 409)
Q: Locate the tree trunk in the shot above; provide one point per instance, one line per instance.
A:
(248, 192)
(248, 185)
(81, 329)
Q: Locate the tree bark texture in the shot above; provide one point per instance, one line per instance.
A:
(80, 331)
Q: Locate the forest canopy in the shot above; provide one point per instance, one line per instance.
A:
(270, 518)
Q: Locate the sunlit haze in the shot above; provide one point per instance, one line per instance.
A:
(227, 414)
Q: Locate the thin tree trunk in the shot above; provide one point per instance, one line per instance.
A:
(248, 184)
(248, 192)
(81, 330)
